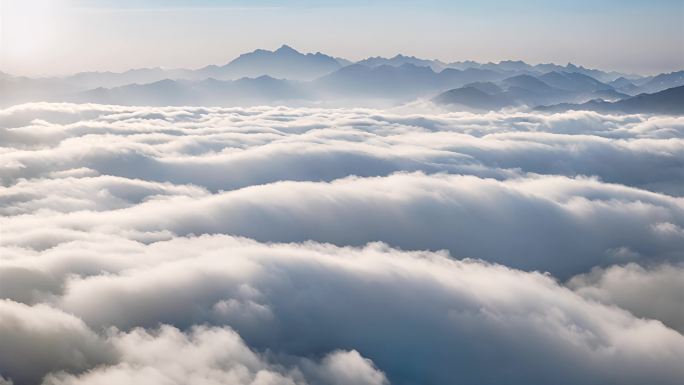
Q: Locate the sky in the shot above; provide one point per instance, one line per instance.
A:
(41, 38)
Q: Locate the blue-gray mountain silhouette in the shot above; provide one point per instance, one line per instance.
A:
(283, 63)
(527, 90)
(245, 91)
(669, 101)
(288, 76)
(663, 82)
(573, 81)
(400, 59)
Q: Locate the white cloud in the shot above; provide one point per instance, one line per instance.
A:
(227, 148)
(169, 356)
(211, 355)
(131, 218)
(343, 368)
(405, 311)
(655, 292)
(39, 339)
(529, 223)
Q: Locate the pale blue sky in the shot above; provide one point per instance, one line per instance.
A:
(65, 36)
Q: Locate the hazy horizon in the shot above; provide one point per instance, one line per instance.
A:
(273, 48)
(54, 38)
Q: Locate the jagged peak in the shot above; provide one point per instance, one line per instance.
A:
(512, 62)
(401, 56)
(286, 49)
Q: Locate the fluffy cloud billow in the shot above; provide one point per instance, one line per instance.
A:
(404, 311)
(228, 148)
(273, 245)
(556, 224)
(214, 355)
(652, 292)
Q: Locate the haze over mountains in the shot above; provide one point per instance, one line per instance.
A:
(669, 101)
(287, 76)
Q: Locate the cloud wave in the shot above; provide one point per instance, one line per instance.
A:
(403, 310)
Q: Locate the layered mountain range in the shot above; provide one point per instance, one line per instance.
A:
(286, 76)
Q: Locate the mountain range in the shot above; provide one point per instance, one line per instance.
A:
(287, 76)
(669, 101)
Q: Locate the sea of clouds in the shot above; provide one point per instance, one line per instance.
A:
(274, 245)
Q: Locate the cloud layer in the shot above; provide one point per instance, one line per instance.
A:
(654, 292)
(403, 310)
(318, 246)
(228, 148)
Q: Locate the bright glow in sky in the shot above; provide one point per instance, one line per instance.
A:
(60, 36)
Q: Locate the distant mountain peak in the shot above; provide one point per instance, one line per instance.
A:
(574, 67)
(283, 63)
(512, 62)
(265, 78)
(286, 49)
